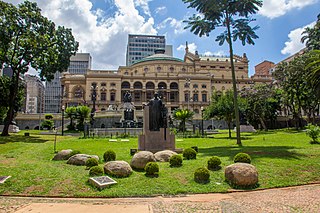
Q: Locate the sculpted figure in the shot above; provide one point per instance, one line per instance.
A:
(127, 97)
(155, 113)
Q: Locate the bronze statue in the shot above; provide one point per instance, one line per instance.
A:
(157, 113)
(127, 97)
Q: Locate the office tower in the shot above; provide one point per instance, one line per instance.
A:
(141, 46)
(34, 102)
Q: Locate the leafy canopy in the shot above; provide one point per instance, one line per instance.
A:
(217, 13)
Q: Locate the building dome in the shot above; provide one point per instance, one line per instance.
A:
(158, 56)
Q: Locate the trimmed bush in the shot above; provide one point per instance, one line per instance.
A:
(109, 155)
(189, 153)
(242, 158)
(74, 152)
(313, 131)
(175, 161)
(152, 168)
(214, 163)
(96, 171)
(91, 162)
(202, 175)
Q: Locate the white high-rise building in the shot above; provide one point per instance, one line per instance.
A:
(141, 46)
(34, 94)
(79, 64)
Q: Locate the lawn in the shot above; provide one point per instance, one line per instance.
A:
(282, 158)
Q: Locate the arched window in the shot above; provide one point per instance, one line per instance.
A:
(174, 85)
(150, 85)
(103, 96)
(125, 85)
(137, 85)
(78, 92)
(162, 85)
(171, 69)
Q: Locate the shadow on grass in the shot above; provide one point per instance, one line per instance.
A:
(22, 139)
(255, 151)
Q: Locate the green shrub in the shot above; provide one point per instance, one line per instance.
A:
(189, 153)
(242, 158)
(96, 171)
(109, 155)
(175, 161)
(91, 162)
(202, 175)
(152, 168)
(214, 163)
(313, 131)
(74, 152)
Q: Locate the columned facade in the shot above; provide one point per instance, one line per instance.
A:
(187, 83)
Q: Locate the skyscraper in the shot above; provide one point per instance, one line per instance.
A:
(34, 94)
(79, 64)
(141, 46)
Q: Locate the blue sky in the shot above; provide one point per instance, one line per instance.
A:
(102, 27)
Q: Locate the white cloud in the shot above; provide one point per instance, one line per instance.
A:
(177, 25)
(144, 5)
(192, 47)
(161, 10)
(276, 8)
(218, 53)
(104, 38)
(293, 45)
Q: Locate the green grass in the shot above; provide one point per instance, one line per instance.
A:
(282, 158)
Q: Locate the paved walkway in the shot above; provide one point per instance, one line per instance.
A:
(292, 199)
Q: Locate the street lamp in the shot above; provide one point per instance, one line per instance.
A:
(202, 129)
(62, 121)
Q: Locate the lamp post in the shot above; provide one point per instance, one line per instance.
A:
(202, 129)
(62, 119)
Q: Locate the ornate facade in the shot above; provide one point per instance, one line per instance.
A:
(186, 83)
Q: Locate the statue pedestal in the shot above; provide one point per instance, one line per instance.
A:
(155, 140)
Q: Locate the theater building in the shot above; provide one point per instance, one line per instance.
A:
(183, 83)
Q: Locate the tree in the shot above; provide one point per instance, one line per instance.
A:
(298, 92)
(5, 87)
(262, 104)
(222, 108)
(233, 15)
(71, 113)
(182, 115)
(82, 114)
(312, 36)
(28, 39)
(314, 66)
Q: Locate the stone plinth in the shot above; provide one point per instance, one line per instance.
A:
(155, 141)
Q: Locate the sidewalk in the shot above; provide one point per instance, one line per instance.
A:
(292, 199)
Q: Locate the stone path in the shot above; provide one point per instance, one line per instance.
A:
(292, 199)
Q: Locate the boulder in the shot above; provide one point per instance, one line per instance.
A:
(117, 168)
(140, 159)
(80, 159)
(241, 174)
(164, 156)
(62, 155)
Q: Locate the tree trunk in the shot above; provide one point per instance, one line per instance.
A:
(13, 93)
(263, 124)
(234, 83)
(229, 127)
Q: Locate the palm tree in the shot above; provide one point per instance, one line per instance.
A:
(233, 15)
(83, 114)
(71, 113)
(311, 35)
(314, 66)
(183, 115)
